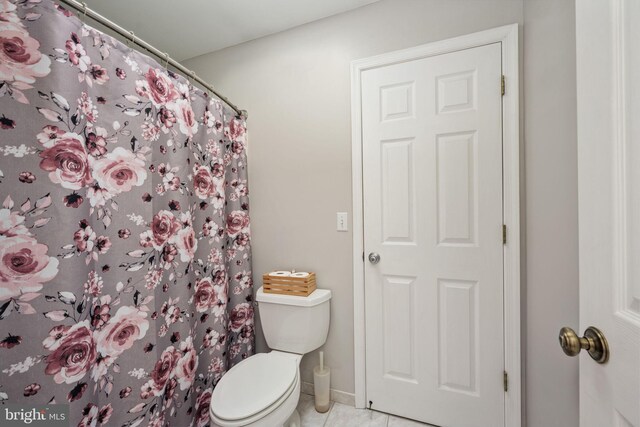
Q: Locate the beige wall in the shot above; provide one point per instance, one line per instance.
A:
(552, 209)
(296, 87)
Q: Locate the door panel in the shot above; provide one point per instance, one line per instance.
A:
(608, 66)
(399, 308)
(457, 211)
(432, 173)
(458, 333)
(398, 197)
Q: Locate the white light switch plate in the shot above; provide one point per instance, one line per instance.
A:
(343, 221)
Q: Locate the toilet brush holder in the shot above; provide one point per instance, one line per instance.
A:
(321, 386)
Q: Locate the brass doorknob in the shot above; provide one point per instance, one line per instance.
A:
(593, 341)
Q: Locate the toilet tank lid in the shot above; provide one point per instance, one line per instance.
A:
(317, 297)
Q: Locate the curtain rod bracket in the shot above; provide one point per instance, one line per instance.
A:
(166, 60)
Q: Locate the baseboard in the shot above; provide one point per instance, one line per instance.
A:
(335, 395)
(307, 388)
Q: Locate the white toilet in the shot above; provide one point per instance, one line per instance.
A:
(263, 390)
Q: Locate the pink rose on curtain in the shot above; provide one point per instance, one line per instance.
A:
(24, 266)
(202, 408)
(186, 117)
(187, 244)
(127, 326)
(158, 87)
(164, 227)
(203, 182)
(73, 353)
(20, 59)
(163, 370)
(187, 365)
(205, 295)
(67, 162)
(241, 316)
(119, 171)
(237, 221)
(236, 129)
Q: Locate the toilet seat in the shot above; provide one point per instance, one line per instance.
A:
(255, 387)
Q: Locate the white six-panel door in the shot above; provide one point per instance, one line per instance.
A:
(432, 187)
(608, 75)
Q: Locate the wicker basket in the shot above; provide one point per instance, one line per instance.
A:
(284, 285)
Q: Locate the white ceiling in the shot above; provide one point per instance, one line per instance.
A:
(188, 28)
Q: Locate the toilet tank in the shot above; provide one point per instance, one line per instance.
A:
(294, 324)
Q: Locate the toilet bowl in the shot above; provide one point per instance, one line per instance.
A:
(263, 390)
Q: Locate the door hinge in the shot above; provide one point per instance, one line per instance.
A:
(504, 234)
(506, 381)
(502, 85)
(362, 256)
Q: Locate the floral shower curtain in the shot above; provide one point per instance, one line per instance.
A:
(125, 264)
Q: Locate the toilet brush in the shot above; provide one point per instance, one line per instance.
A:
(321, 383)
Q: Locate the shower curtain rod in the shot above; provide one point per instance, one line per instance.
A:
(130, 35)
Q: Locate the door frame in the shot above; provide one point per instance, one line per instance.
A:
(508, 37)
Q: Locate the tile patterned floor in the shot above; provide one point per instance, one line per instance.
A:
(340, 415)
